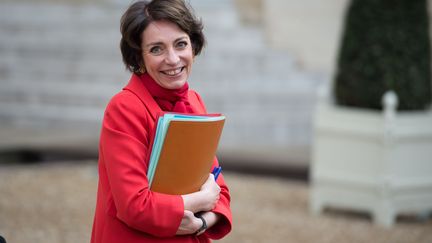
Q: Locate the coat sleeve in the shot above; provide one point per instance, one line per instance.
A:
(224, 225)
(124, 145)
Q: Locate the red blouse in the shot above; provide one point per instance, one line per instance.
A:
(126, 210)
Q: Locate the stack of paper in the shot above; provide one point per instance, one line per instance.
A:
(183, 151)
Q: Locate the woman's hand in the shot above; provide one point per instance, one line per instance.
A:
(205, 199)
(189, 224)
(211, 191)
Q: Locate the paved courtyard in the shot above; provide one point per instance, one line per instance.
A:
(53, 202)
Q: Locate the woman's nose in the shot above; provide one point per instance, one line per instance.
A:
(172, 57)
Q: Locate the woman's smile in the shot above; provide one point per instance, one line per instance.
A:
(173, 72)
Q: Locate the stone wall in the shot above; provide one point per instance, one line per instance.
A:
(60, 64)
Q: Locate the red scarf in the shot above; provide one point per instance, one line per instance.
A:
(174, 100)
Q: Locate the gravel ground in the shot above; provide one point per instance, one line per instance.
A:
(54, 202)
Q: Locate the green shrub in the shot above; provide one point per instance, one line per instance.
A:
(385, 46)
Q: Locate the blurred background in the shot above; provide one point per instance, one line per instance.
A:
(267, 66)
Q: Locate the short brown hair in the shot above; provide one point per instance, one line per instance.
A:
(141, 13)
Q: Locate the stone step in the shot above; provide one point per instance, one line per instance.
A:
(60, 64)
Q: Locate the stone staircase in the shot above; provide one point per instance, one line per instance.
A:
(60, 64)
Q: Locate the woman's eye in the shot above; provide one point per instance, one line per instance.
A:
(156, 50)
(182, 44)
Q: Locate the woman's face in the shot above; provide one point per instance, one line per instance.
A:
(167, 54)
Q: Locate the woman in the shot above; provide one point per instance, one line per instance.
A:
(160, 40)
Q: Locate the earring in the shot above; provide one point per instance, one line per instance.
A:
(142, 70)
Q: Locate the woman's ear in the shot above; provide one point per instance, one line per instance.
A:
(142, 68)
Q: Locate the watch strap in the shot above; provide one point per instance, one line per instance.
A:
(204, 225)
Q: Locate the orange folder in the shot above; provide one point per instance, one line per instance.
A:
(186, 156)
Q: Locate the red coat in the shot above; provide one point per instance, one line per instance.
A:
(126, 210)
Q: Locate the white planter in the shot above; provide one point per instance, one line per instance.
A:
(371, 161)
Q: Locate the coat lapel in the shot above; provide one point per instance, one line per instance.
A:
(137, 87)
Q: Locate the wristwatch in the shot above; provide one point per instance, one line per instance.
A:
(204, 225)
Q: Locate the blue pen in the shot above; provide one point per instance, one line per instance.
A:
(216, 171)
